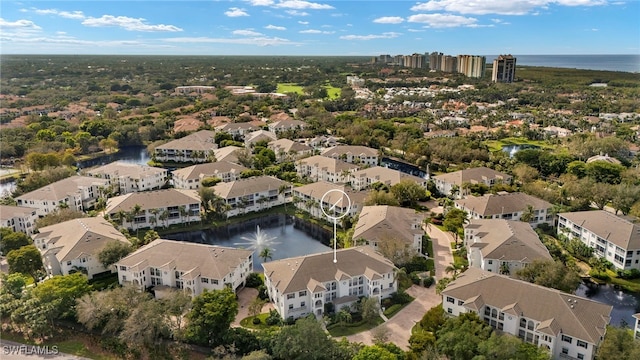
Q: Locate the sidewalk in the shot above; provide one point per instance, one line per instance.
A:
(442, 253)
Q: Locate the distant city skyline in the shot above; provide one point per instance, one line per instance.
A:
(299, 27)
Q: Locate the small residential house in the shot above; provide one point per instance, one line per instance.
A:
(382, 223)
(322, 168)
(18, 218)
(76, 192)
(480, 175)
(191, 267)
(156, 208)
(127, 177)
(74, 245)
(308, 197)
(190, 177)
(569, 326)
(289, 150)
(362, 179)
(303, 285)
(502, 246)
(610, 236)
(508, 206)
(354, 154)
(196, 148)
(253, 194)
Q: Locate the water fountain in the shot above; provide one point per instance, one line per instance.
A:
(259, 240)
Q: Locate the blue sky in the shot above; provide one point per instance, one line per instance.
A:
(299, 27)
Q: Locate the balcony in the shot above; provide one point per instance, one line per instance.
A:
(567, 357)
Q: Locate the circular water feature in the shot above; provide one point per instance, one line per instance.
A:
(625, 304)
(514, 148)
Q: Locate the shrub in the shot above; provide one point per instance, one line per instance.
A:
(392, 310)
(256, 320)
(254, 281)
(290, 320)
(415, 278)
(428, 281)
(400, 297)
(262, 292)
(629, 274)
(273, 318)
(599, 275)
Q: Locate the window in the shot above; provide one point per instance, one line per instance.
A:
(290, 306)
(291, 296)
(460, 302)
(565, 351)
(449, 311)
(69, 264)
(123, 268)
(204, 280)
(580, 356)
(302, 304)
(214, 282)
(582, 344)
(490, 262)
(567, 339)
(302, 293)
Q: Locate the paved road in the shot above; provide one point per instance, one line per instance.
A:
(398, 328)
(10, 350)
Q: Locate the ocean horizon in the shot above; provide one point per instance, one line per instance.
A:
(626, 62)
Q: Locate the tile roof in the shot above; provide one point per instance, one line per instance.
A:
(248, 186)
(227, 153)
(156, 199)
(327, 163)
(491, 204)
(608, 226)
(478, 174)
(63, 188)
(202, 140)
(380, 222)
(355, 150)
(287, 145)
(507, 240)
(386, 175)
(79, 237)
(121, 168)
(317, 189)
(556, 311)
(209, 261)
(9, 212)
(299, 273)
(208, 169)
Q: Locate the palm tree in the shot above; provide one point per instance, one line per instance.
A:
(137, 210)
(528, 215)
(154, 219)
(282, 191)
(266, 253)
(164, 216)
(504, 268)
(454, 268)
(183, 213)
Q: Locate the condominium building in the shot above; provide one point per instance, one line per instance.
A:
(363, 179)
(610, 236)
(197, 147)
(167, 264)
(354, 154)
(74, 245)
(472, 66)
(456, 180)
(289, 150)
(322, 168)
(253, 194)
(303, 285)
(382, 223)
(127, 177)
(504, 69)
(435, 60)
(508, 206)
(191, 177)
(569, 326)
(309, 197)
(502, 246)
(18, 218)
(76, 192)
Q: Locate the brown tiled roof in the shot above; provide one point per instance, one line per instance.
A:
(381, 222)
(492, 204)
(9, 212)
(386, 175)
(317, 189)
(156, 199)
(472, 175)
(201, 140)
(134, 171)
(329, 164)
(298, 273)
(247, 186)
(507, 240)
(209, 261)
(355, 150)
(63, 188)
(608, 226)
(208, 169)
(557, 311)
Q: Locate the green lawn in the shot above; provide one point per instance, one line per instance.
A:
(496, 145)
(339, 330)
(248, 322)
(333, 91)
(290, 88)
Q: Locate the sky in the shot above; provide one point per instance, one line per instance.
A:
(300, 27)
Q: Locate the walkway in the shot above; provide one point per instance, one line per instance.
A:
(442, 253)
(245, 297)
(398, 328)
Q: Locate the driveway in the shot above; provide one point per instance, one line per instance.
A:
(398, 328)
(245, 297)
(442, 254)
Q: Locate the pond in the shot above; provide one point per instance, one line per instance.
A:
(625, 304)
(286, 235)
(514, 148)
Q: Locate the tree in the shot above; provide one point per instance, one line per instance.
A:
(604, 171)
(528, 215)
(510, 347)
(551, 274)
(256, 306)
(11, 240)
(408, 192)
(58, 216)
(618, 344)
(454, 220)
(624, 196)
(266, 253)
(370, 309)
(26, 260)
(211, 315)
(381, 198)
(63, 291)
(149, 236)
(375, 352)
(460, 336)
(454, 268)
(601, 194)
(304, 340)
(395, 249)
(113, 252)
(146, 325)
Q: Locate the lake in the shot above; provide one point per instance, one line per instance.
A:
(624, 304)
(286, 235)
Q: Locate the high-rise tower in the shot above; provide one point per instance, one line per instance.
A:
(504, 69)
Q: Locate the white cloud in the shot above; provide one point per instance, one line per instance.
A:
(303, 22)
(297, 13)
(274, 27)
(235, 12)
(386, 35)
(19, 24)
(389, 20)
(302, 5)
(443, 20)
(314, 31)
(127, 23)
(502, 7)
(246, 32)
(257, 41)
(79, 15)
(260, 2)
(415, 30)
